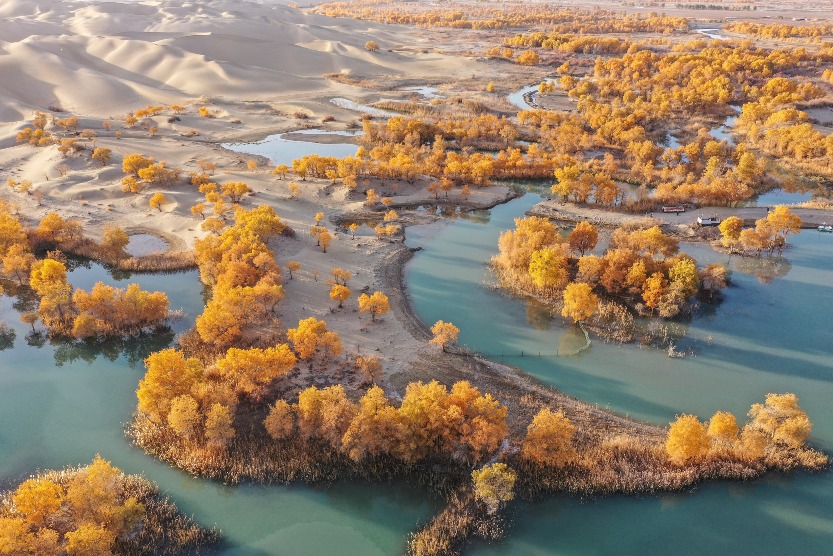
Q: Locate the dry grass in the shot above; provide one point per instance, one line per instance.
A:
(450, 530)
(820, 203)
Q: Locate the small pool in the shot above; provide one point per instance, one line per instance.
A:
(141, 245)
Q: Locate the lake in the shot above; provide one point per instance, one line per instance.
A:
(772, 333)
(62, 403)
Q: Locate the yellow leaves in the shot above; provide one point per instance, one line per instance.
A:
(53, 228)
(250, 370)
(133, 163)
(370, 366)
(528, 58)
(157, 200)
(339, 293)
(280, 423)
(580, 302)
(89, 540)
(214, 225)
(782, 420)
(69, 124)
(583, 237)
(444, 333)
(730, 228)
(184, 417)
(18, 261)
(371, 197)
(649, 240)
(46, 274)
(324, 414)
(78, 512)
(169, 375)
(312, 335)
(530, 234)
(129, 184)
(38, 499)
(376, 428)
(324, 239)
(548, 267)
(219, 429)
(11, 231)
(494, 484)
(723, 429)
(262, 221)
(684, 277)
(589, 269)
(461, 423)
(235, 190)
(654, 289)
(376, 304)
(340, 275)
(106, 310)
(114, 239)
(95, 497)
(20, 186)
(292, 266)
(687, 439)
(234, 312)
(549, 439)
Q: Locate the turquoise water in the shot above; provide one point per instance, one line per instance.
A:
(771, 334)
(778, 197)
(283, 151)
(60, 404)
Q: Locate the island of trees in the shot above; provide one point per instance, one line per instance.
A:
(95, 510)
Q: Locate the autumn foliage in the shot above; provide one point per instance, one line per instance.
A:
(90, 511)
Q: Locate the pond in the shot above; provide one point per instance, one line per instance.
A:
(769, 335)
(425, 91)
(62, 403)
(778, 197)
(283, 149)
(141, 245)
(518, 97)
(712, 34)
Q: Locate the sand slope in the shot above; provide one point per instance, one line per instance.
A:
(99, 58)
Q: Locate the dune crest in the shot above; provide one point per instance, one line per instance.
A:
(109, 57)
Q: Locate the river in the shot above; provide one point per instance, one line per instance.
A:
(282, 149)
(765, 337)
(61, 404)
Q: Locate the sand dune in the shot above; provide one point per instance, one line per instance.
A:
(98, 58)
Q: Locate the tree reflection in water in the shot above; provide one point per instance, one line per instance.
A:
(765, 269)
(135, 348)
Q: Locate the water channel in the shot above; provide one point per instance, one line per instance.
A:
(769, 335)
(281, 148)
(62, 403)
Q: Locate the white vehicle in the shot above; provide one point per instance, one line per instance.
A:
(708, 221)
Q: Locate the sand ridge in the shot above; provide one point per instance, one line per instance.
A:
(95, 58)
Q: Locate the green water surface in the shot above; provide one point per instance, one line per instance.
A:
(772, 333)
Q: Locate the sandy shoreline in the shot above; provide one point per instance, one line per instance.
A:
(571, 212)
